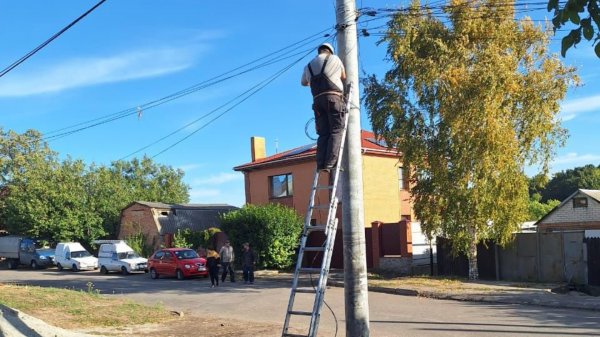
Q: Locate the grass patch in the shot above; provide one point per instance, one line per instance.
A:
(72, 309)
(430, 283)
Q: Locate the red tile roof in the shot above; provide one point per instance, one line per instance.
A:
(307, 152)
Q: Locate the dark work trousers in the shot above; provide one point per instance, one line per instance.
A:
(248, 274)
(329, 118)
(227, 267)
(213, 271)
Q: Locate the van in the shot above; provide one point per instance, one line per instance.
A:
(20, 250)
(72, 255)
(116, 255)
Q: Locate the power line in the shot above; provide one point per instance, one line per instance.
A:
(249, 93)
(269, 59)
(52, 38)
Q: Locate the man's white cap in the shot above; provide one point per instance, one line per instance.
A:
(328, 46)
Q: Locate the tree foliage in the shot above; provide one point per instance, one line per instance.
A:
(63, 200)
(588, 27)
(537, 208)
(272, 230)
(468, 106)
(187, 238)
(565, 183)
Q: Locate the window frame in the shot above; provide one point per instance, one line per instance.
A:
(580, 202)
(403, 179)
(289, 186)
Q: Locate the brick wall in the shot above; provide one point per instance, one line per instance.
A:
(569, 217)
(140, 218)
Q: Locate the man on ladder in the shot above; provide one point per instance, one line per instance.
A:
(326, 75)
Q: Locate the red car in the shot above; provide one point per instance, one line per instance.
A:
(178, 262)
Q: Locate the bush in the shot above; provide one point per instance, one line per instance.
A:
(180, 239)
(137, 242)
(272, 230)
(186, 238)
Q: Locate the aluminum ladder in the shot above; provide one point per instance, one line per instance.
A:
(329, 229)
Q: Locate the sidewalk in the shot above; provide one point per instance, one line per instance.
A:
(480, 291)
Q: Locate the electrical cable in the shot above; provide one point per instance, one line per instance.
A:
(270, 58)
(249, 93)
(52, 38)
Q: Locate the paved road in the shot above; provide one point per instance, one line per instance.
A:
(265, 301)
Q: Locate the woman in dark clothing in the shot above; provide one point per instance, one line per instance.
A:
(212, 262)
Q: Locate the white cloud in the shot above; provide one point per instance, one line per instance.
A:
(572, 108)
(218, 179)
(574, 158)
(80, 72)
(190, 167)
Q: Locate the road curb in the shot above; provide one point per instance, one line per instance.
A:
(507, 299)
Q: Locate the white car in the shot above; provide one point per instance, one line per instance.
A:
(116, 255)
(72, 255)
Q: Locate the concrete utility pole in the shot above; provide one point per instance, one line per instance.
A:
(355, 261)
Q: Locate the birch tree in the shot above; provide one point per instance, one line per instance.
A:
(470, 99)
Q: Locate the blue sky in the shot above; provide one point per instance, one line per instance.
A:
(128, 53)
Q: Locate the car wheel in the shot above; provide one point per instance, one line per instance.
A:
(153, 274)
(179, 274)
(34, 264)
(103, 270)
(12, 264)
(124, 270)
(59, 266)
(74, 267)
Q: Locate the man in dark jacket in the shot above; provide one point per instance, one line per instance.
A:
(325, 75)
(248, 262)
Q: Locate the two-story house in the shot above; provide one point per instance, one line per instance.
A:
(287, 177)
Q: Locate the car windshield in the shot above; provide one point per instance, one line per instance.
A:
(46, 252)
(128, 255)
(83, 253)
(186, 254)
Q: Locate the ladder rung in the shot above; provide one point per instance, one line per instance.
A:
(314, 249)
(316, 228)
(293, 335)
(306, 290)
(310, 270)
(324, 187)
(324, 206)
(300, 313)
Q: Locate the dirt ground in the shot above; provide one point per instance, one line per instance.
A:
(192, 326)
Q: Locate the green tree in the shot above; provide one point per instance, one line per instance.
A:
(123, 182)
(45, 197)
(565, 183)
(571, 11)
(537, 208)
(272, 230)
(467, 107)
(51, 201)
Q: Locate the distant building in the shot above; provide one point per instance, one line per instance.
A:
(580, 211)
(158, 221)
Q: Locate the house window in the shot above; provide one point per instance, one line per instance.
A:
(580, 202)
(402, 178)
(281, 186)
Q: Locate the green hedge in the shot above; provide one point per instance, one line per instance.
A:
(272, 230)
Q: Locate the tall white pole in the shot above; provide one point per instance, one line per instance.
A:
(355, 261)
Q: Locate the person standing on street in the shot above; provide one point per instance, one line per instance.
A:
(248, 263)
(212, 262)
(325, 74)
(227, 258)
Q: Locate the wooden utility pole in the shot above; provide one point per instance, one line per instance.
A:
(355, 261)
